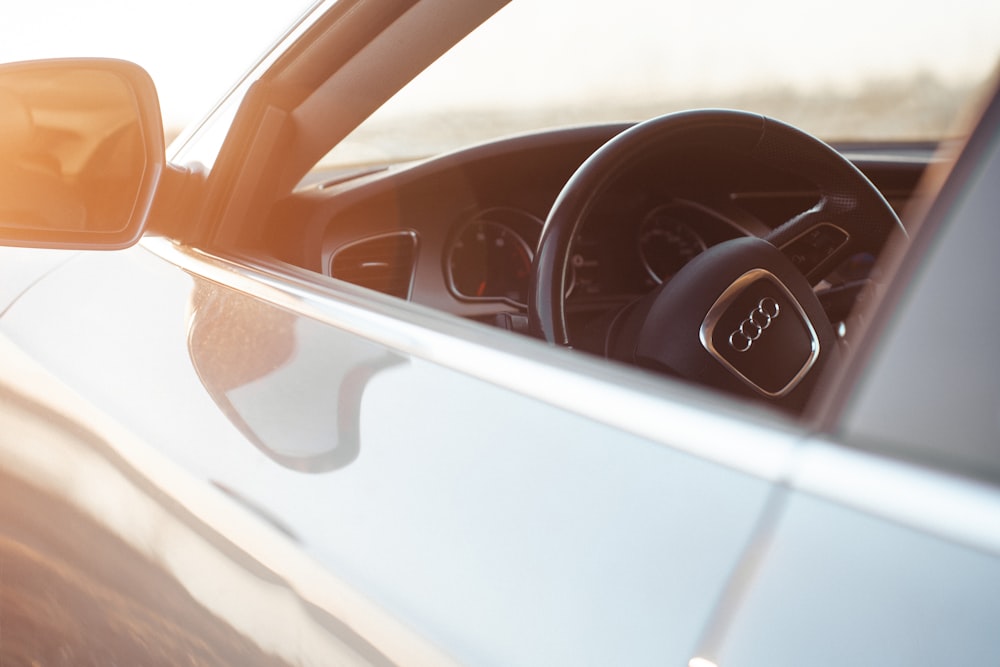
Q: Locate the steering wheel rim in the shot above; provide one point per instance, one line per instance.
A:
(851, 213)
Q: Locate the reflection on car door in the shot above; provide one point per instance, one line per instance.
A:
(886, 550)
(869, 563)
(496, 525)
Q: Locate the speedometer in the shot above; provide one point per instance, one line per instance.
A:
(489, 260)
(667, 242)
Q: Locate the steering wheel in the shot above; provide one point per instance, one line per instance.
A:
(741, 316)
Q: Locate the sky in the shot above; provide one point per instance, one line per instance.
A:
(676, 45)
(194, 49)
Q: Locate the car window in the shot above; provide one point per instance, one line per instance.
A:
(426, 233)
(431, 226)
(932, 387)
(864, 72)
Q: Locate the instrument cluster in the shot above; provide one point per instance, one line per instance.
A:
(489, 255)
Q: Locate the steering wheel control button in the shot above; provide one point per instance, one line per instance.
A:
(810, 249)
(760, 333)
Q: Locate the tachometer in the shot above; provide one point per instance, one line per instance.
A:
(667, 242)
(489, 260)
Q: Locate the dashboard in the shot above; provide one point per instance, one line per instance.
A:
(458, 232)
(489, 256)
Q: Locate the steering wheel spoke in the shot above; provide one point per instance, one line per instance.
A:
(815, 241)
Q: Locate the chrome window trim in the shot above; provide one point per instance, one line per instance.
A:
(948, 506)
(746, 438)
(200, 142)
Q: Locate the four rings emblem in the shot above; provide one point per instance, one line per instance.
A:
(754, 326)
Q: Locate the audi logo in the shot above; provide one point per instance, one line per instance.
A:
(754, 326)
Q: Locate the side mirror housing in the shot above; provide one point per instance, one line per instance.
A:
(81, 153)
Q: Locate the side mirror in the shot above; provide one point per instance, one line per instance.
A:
(81, 153)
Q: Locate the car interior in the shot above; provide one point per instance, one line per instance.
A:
(581, 234)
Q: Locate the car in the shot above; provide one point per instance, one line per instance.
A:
(561, 340)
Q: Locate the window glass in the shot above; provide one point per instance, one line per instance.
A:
(883, 71)
(932, 390)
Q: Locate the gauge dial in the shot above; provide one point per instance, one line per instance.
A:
(489, 260)
(667, 242)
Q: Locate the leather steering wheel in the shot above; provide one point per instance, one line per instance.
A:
(742, 315)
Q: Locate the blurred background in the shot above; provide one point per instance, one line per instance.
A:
(862, 69)
(194, 49)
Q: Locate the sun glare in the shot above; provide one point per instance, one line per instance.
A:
(701, 662)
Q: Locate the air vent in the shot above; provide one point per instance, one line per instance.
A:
(384, 263)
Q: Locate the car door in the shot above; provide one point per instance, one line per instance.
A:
(513, 503)
(510, 502)
(885, 549)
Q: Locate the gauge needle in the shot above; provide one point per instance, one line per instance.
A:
(482, 289)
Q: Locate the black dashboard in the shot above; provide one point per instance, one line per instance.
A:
(458, 232)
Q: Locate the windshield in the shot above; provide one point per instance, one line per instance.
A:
(855, 71)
